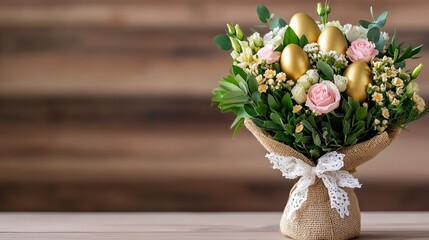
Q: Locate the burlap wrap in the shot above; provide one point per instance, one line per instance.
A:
(316, 219)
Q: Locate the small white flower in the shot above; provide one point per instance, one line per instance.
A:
(281, 76)
(299, 128)
(270, 81)
(397, 82)
(385, 122)
(385, 113)
(260, 79)
(395, 102)
(269, 73)
(377, 97)
(340, 82)
(299, 94)
(262, 88)
(297, 108)
(376, 122)
(255, 40)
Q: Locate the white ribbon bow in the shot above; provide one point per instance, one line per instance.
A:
(328, 169)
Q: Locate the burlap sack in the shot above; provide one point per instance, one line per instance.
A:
(316, 219)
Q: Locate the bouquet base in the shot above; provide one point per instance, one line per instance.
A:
(315, 219)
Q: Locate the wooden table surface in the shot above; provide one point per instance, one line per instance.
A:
(156, 226)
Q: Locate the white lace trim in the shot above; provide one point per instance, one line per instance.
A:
(328, 169)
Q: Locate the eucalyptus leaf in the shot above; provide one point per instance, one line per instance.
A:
(278, 23)
(222, 42)
(290, 37)
(263, 13)
(325, 69)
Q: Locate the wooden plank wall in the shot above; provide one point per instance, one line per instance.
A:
(105, 105)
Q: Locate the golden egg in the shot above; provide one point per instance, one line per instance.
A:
(359, 75)
(332, 38)
(303, 24)
(294, 61)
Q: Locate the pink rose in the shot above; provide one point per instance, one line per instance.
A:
(361, 50)
(268, 54)
(323, 97)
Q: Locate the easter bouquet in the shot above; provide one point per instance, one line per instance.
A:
(322, 98)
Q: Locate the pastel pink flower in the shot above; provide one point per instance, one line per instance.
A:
(361, 50)
(323, 97)
(268, 54)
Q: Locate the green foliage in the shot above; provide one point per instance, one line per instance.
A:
(263, 13)
(327, 71)
(290, 37)
(278, 23)
(222, 42)
(373, 27)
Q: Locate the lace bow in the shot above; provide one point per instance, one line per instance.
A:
(328, 169)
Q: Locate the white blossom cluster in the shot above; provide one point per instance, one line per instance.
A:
(338, 62)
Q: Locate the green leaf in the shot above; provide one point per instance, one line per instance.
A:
(273, 126)
(250, 110)
(238, 127)
(263, 13)
(283, 137)
(261, 110)
(381, 20)
(361, 113)
(272, 102)
(290, 37)
(276, 119)
(278, 23)
(351, 140)
(253, 84)
(346, 128)
(316, 138)
(222, 42)
(364, 23)
(236, 70)
(289, 129)
(287, 103)
(326, 70)
(303, 41)
(373, 34)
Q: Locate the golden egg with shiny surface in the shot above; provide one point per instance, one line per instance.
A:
(332, 38)
(359, 75)
(294, 61)
(303, 24)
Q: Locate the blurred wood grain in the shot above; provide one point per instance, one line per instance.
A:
(105, 105)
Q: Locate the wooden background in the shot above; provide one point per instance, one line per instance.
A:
(105, 106)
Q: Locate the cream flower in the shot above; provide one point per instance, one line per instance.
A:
(262, 88)
(297, 108)
(376, 122)
(260, 79)
(299, 128)
(420, 102)
(269, 73)
(412, 87)
(281, 76)
(305, 81)
(385, 113)
(341, 82)
(397, 82)
(377, 97)
(395, 102)
(299, 94)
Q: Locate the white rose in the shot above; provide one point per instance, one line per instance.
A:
(275, 37)
(412, 87)
(305, 81)
(313, 76)
(356, 32)
(335, 24)
(299, 94)
(340, 82)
